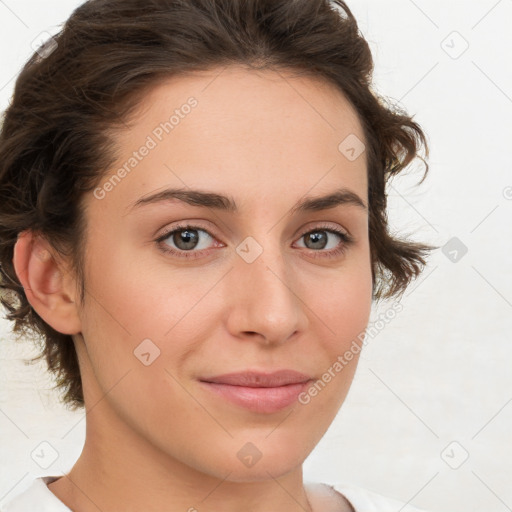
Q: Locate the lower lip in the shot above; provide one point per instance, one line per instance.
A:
(261, 400)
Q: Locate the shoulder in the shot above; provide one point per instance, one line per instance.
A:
(364, 500)
(37, 497)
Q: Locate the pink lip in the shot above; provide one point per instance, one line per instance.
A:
(257, 391)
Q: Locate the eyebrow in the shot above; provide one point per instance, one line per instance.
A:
(342, 196)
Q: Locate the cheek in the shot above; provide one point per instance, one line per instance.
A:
(141, 317)
(133, 295)
(343, 304)
(343, 309)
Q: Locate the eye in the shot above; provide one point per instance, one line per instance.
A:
(319, 238)
(188, 241)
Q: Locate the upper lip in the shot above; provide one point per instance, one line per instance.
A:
(256, 379)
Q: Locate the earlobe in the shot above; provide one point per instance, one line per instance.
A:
(47, 287)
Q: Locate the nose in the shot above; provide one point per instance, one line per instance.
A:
(264, 304)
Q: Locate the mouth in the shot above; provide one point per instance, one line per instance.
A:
(259, 392)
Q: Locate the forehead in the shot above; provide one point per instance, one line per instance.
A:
(247, 129)
(236, 93)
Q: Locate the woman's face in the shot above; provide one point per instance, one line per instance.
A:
(256, 283)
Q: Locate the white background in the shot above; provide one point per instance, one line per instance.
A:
(438, 375)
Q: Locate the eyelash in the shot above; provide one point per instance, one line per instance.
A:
(347, 240)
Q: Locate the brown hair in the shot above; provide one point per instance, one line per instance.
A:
(55, 144)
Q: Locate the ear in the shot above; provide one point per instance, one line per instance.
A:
(48, 286)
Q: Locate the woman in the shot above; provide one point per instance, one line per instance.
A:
(167, 169)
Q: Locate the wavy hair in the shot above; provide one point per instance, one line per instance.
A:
(56, 144)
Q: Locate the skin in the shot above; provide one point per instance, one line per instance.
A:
(155, 439)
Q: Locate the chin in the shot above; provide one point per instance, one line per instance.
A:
(261, 471)
(256, 461)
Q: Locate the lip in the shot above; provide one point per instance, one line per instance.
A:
(258, 391)
(260, 379)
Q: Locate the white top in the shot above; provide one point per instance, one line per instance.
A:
(38, 498)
